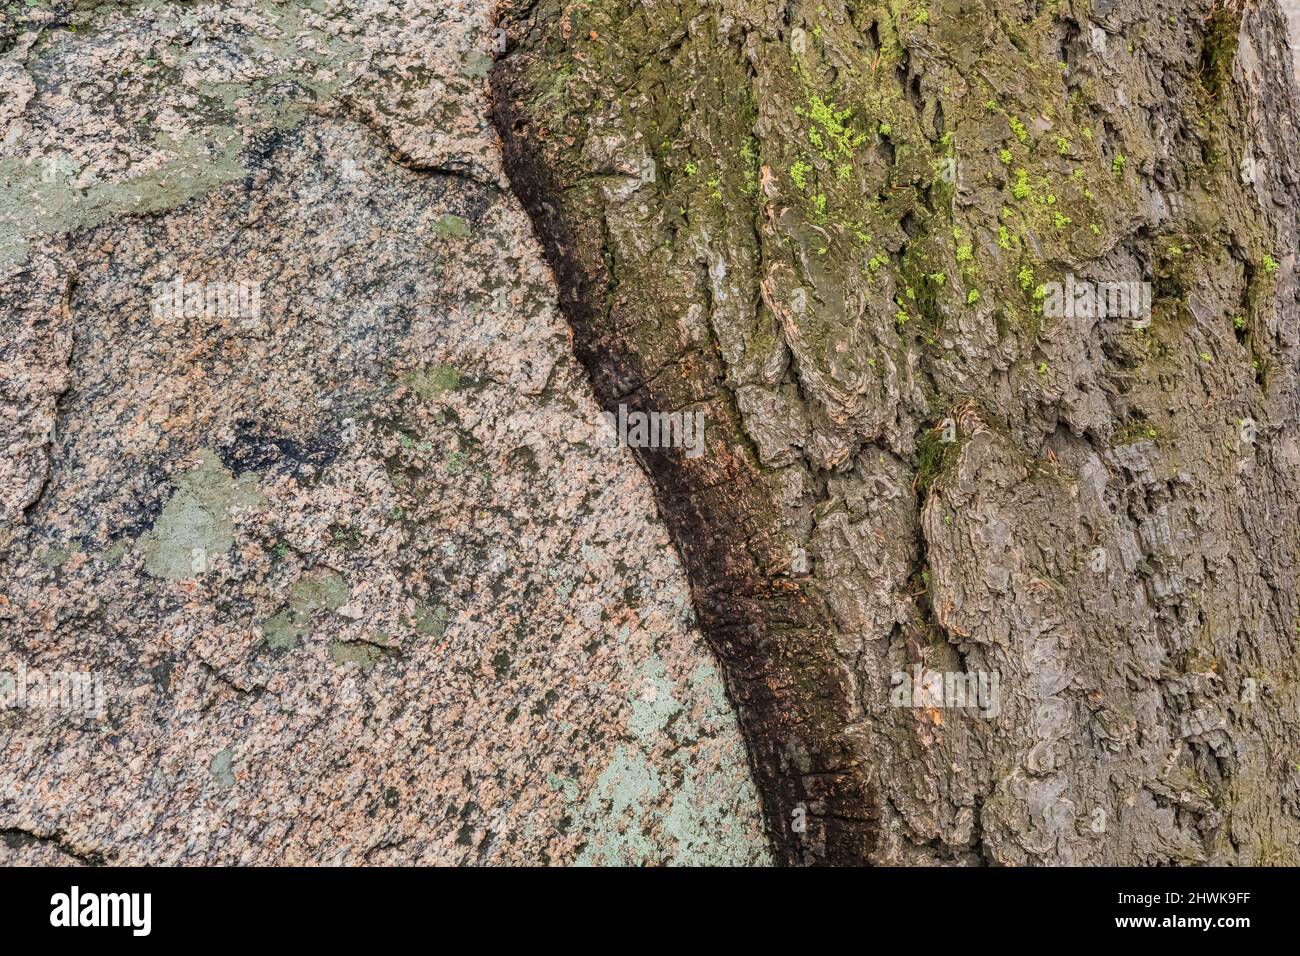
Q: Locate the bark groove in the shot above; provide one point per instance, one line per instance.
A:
(834, 227)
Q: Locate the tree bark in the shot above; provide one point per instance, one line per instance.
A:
(834, 228)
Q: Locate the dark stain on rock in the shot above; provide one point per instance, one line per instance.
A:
(256, 451)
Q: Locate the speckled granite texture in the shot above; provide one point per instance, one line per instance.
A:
(359, 581)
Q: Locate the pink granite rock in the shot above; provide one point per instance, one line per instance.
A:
(304, 474)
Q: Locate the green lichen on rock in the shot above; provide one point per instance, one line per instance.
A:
(221, 767)
(285, 629)
(433, 381)
(319, 591)
(451, 226)
(197, 524)
(430, 621)
(364, 654)
(323, 590)
(633, 806)
(301, 61)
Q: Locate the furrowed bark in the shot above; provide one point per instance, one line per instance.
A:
(834, 229)
(770, 638)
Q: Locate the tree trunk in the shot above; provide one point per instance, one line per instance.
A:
(860, 237)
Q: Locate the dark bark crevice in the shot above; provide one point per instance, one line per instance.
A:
(921, 302)
(766, 633)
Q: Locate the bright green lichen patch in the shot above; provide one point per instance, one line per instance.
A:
(451, 227)
(829, 134)
(433, 381)
(869, 283)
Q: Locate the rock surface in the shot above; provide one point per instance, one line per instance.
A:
(358, 575)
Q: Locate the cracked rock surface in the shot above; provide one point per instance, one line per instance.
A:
(360, 579)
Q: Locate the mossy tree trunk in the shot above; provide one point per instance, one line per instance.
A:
(831, 226)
